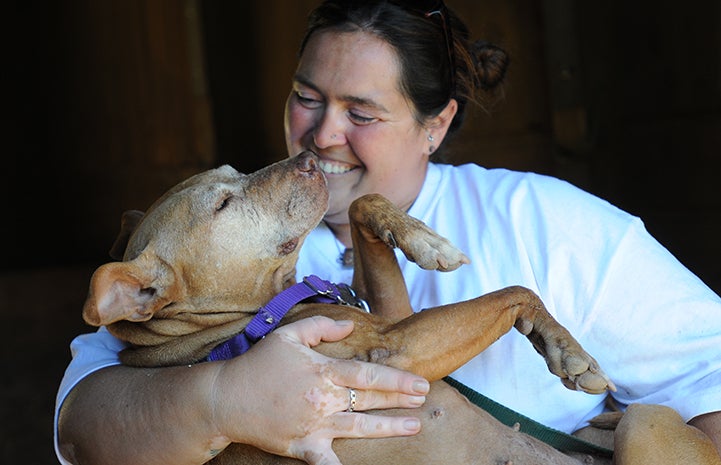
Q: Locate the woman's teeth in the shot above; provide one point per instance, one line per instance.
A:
(334, 167)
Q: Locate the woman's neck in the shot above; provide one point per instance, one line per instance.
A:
(342, 233)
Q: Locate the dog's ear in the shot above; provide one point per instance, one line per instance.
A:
(128, 222)
(124, 291)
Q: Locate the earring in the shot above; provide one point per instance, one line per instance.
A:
(430, 138)
(333, 136)
(431, 149)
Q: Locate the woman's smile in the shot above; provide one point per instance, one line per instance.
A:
(335, 167)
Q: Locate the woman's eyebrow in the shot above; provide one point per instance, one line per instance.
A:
(362, 101)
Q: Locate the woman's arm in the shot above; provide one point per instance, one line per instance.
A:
(280, 396)
(129, 415)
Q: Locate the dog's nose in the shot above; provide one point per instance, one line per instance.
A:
(307, 161)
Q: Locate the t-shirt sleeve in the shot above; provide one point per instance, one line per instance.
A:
(660, 326)
(90, 352)
(653, 325)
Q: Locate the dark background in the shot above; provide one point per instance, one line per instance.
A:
(112, 102)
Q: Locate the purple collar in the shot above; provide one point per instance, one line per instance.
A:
(269, 316)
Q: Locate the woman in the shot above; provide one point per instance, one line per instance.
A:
(378, 88)
(375, 109)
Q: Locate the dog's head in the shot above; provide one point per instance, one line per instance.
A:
(215, 240)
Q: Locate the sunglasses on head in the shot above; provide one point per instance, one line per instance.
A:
(435, 9)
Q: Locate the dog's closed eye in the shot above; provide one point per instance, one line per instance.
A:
(224, 203)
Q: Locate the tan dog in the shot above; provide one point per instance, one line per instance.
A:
(215, 248)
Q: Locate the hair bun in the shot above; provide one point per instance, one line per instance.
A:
(491, 63)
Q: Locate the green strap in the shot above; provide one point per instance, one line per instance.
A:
(553, 437)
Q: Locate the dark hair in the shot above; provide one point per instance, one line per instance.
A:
(420, 43)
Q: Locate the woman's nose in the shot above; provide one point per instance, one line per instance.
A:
(328, 132)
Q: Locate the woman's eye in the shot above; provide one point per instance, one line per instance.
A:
(359, 119)
(306, 101)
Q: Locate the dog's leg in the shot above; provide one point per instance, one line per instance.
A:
(378, 226)
(469, 327)
(657, 434)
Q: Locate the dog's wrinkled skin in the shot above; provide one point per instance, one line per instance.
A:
(220, 245)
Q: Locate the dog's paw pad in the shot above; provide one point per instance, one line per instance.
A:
(583, 374)
(438, 255)
(422, 245)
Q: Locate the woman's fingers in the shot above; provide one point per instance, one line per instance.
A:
(365, 425)
(395, 388)
(371, 376)
(371, 400)
(317, 449)
(365, 386)
(334, 392)
(311, 331)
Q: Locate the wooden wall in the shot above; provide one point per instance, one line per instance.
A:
(116, 101)
(113, 108)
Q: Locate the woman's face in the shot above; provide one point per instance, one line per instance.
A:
(346, 106)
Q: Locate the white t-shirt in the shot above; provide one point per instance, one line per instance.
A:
(654, 327)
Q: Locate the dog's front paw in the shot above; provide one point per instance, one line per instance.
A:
(428, 250)
(564, 355)
(577, 369)
(585, 375)
(395, 228)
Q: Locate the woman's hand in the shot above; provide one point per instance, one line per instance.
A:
(285, 398)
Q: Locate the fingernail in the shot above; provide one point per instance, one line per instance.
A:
(416, 401)
(412, 424)
(344, 322)
(421, 386)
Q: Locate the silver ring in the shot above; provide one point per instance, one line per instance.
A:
(351, 400)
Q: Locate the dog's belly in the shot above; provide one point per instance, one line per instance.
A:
(454, 432)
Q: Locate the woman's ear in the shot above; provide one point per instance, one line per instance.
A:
(438, 125)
